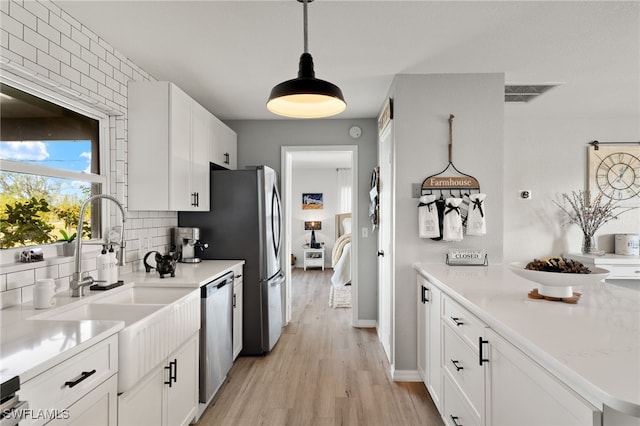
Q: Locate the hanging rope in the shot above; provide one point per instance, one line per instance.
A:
(451, 117)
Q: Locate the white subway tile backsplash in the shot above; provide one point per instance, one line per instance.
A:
(37, 9)
(78, 36)
(10, 298)
(70, 73)
(12, 26)
(18, 46)
(36, 40)
(56, 21)
(47, 272)
(47, 31)
(48, 62)
(27, 293)
(4, 39)
(61, 54)
(20, 279)
(23, 15)
(3, 282)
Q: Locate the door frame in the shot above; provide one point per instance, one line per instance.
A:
(286, 167)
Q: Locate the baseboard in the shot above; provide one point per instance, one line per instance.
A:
(365, 324)
(405, 375)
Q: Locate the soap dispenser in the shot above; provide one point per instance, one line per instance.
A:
(104, 268)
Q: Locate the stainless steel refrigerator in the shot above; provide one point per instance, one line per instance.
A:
(245, 222)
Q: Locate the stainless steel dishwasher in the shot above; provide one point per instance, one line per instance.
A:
(216, 333)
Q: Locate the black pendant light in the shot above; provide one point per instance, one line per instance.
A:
(306, 96)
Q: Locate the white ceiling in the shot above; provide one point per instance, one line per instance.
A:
(229, 54)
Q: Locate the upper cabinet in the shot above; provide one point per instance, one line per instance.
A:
(223, 145)
(172, 139)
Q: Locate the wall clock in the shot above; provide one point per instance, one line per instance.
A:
(614, 170)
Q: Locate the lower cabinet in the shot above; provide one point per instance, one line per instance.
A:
(166, 396)
(237, 312)
(519, 391)
(80, 387)
(429, 341)
(477, 377)
(97, 408)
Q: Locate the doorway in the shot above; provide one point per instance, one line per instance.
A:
(290, 155)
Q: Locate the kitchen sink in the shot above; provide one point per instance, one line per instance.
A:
(157, 320)
(145, 296)
(130, 314)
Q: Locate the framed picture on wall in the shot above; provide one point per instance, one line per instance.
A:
(614, 170)
(312, 201)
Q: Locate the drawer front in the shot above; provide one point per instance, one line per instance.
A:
(67, 382)
(456, 411)
(463, 322)
(625, 272)
(460, 362)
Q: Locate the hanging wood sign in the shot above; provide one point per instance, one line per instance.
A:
(441, 182)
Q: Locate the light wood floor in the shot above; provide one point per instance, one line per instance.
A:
(322, 371)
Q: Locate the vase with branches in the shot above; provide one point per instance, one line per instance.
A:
(590, 213)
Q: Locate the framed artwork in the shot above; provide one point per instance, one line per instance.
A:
(614, 170)
(312, 201)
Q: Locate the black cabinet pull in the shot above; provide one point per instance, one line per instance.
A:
(380, 253)
(226, 158)
(454, 419)
(457, 321)
(424, 294)
(193, 199)
(175, 370)
(197, 199)
(481, 357)
(83, 376)
(168, 382)
(234, 300)
(455, 364)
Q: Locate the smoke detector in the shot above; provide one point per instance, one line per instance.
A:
(526, 92)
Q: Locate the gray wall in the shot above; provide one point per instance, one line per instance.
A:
(259, 142)
(422, 104)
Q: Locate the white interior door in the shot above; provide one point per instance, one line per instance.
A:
(385, 242)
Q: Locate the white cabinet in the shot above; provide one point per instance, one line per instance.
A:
(69, 390)
(237, 310)
(462, 346)
(486, 380)
(223, 147)
(521, 392)
(166, 396)
(429, 342)
(168, 150)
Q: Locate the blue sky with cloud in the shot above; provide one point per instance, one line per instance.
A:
(67, 155)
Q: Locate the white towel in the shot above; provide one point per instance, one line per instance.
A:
(452, 222)
(428, 224)
(476, 220)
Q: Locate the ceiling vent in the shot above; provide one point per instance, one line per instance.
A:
(525, 92)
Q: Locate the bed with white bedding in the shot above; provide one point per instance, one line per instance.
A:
(340, 294)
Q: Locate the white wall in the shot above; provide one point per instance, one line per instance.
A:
(259, 142)
(422, 104)
(549, 156)
(324, 181)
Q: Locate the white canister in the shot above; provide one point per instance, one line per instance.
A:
(627, 244)
(44, 294)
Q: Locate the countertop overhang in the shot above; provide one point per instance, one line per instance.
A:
(592, 346)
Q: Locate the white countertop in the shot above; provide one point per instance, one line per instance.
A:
(30, 347)
(593, 346)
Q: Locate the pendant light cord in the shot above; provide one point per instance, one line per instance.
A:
(306, 43)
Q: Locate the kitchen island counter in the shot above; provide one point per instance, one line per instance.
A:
(592, 346)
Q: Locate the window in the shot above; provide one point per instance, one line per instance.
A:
(49, 164)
